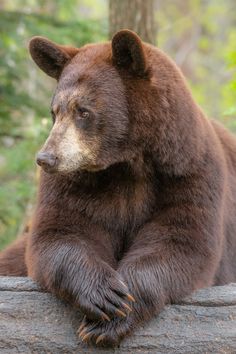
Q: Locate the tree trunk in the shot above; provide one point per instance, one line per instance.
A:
(136, 15)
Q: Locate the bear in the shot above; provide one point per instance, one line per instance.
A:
(137, 197)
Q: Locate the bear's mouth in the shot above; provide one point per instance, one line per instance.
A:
(57, 168)
(49, 169)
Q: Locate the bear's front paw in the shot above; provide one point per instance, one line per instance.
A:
(106, 298)
(104, 334)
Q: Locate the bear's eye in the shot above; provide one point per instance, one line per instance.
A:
(83, 113)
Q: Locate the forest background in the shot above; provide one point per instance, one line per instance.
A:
(200, 35)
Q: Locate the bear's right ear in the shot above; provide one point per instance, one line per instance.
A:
(128, 53)
(49, 56)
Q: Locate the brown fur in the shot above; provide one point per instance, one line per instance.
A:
(12, 260)
(154, 216)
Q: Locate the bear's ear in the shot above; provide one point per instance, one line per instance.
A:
(49, 56)
(128, 52)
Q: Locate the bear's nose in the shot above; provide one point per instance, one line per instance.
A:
(46, 160)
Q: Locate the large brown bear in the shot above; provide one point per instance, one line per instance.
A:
(137, 200)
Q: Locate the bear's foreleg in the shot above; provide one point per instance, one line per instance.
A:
(76, 268)
(164, 264)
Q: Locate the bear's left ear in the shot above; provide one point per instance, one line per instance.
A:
(49, 56)
(128, 52)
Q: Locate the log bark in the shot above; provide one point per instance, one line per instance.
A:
(32, 321)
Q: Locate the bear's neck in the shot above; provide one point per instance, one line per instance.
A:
(181, 133)
(183, 147)
(124, 174)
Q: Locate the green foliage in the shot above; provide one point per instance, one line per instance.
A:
(25, 99)
(229, 89)
(199, 35)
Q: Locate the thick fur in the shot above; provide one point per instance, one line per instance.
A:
(12, 260)
(157, 220)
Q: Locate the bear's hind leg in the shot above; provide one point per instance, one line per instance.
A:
(12, 259)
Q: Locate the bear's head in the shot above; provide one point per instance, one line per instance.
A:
(113, 102)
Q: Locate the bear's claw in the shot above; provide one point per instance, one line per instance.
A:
(105, 334)
(100, 338)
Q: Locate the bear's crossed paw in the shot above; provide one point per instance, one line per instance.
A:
(105, 333)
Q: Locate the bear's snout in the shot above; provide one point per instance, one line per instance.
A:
(47, 161)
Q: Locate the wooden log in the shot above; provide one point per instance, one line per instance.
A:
(32, 321)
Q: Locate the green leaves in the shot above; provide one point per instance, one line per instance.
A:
(25, 95)
(201, 37)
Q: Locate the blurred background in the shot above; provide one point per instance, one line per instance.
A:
(200, 35)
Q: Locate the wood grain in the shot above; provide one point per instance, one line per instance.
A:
(32, 321)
